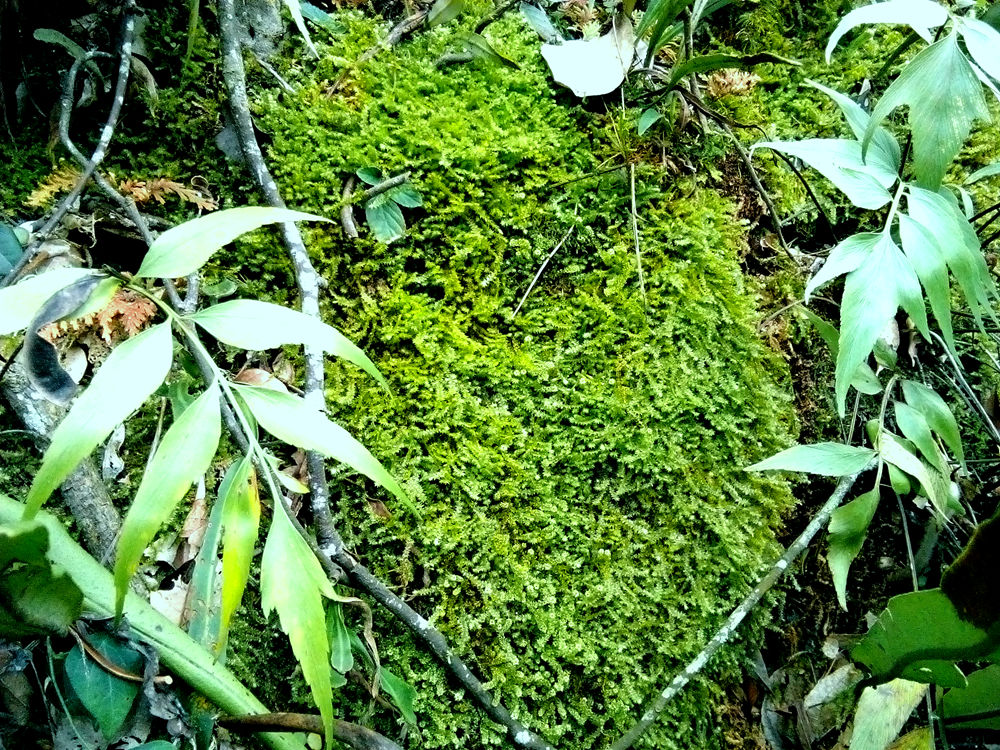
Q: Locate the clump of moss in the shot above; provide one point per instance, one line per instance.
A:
(585, 515)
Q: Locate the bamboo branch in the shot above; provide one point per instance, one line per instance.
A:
(733, 621)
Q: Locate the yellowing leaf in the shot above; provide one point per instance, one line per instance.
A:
(240, 519)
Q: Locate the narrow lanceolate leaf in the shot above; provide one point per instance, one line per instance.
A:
(928, 260)
(240, 519)
(291, 419)
(444, 11)
(186, 247)
(920, 15)
(647, 120)
(934, 484)
(916, 429)
(19, 303)
(983, 43)
(940, 215)
(255, 325)
(944, 97)
(300, 24)
(825, 459)
(938, 415)
(341, 658)
(990, 170)
(132, 371)
(848, 528)
(202, 603)
(184, 455)
(293, 584)
(844, 258)
(842, 162)
(873, 293)
(884, 149)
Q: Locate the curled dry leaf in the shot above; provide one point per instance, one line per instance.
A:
(262, 378)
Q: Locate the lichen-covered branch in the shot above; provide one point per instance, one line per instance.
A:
(729, 627)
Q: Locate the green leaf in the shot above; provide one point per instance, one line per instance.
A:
(944, 97)
(938, 415)
(300, 24)
(292, 583)
(661, 16)
(920, 15)
(185, 248)
(51, 36)
(721, 61)
(990, 170)
(444, 11)
(647, 119)
(919, 636)
(205, 622)
(19, 303)
(915, 428)
(183, 456)
(370, 175)
(884, 150)
(899, 480)
(11, 248)
(240, 500)
(825, 459)
(36, 598)
(879, 286)
(133, 370)
(936, 485)
(844, 258)
(291, 419)
(321, 18)
(106, 697)
(255, 325)
(341, 658)
(848, 528)
(982, 41)
(883, 711)
(406, 195)
(842, 162)
(479, 46)
(929, 262)
(156, 745)
(981, 696)
(539, 20)
(401, 693)
(386, 220)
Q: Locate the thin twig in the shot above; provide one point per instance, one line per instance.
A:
(352, 735)
(635, 234)
(542, 268)
(726, 631)
(358, 196)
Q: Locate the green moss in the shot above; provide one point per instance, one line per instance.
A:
(586, 520)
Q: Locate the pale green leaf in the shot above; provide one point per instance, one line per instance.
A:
(647, 119)
(444, 11)
(539, 20)
(406, 195)
(479, 47)
(983, 43)
(293, 584)
(300, 24)
(841, 161)
(401, 692)
(20, 302)
(990, 170)
(933, 482)
(240, 520)
(203, 601)
(915, 428)
(825, 459)
(873, 293)
(865, 380)
(899, 480)
(848, 528)
(938, 415)
(371, 175)
(593, 67)
(341, 658)
(291, 419)
(944, 97)
(255, 325)
(183, 456)
(883, 711)
(929, 262)
(844, 258)
(186, 247)
(920, 15)
(884, 150)
(133, 370)
(386, 221)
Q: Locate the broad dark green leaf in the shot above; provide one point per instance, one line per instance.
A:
(979, 698)
(873, 292)
(944, 97)
(938, 415)
(406, 195)
(647, 119)
(825, 459)
(133, 370)
(293, 584)
(848, 528)
(255, 325)
(385, 220)
(341, 658)
(185, 248)
(920, 15)
(841, 161)
(931, 266)
(401, 693)
(444, 11)
(107, 697)
(241, 518)
(919, 637)
(291, 419)
(36, 598)
(183, 456)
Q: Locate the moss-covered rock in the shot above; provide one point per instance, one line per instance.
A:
(585, 516)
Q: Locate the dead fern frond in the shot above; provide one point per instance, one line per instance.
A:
(61, 180)
(143, 191)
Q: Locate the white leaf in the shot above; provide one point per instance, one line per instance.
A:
(596, 66)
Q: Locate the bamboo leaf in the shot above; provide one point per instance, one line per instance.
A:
(255, 325)
(844, 258)
(920, 15)
(19, 303)
(938, 415)
(132, 371)
(293, 584)
(915, 429)
(825, 459)
(944, 97)
(848, 528)
(186, 247)
(983, 43)
(291, 419)
(928, 260)
(240, 520)
(884, 149)
(184, 455)
(203, 601)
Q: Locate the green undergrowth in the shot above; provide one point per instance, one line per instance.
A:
(585, 520)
